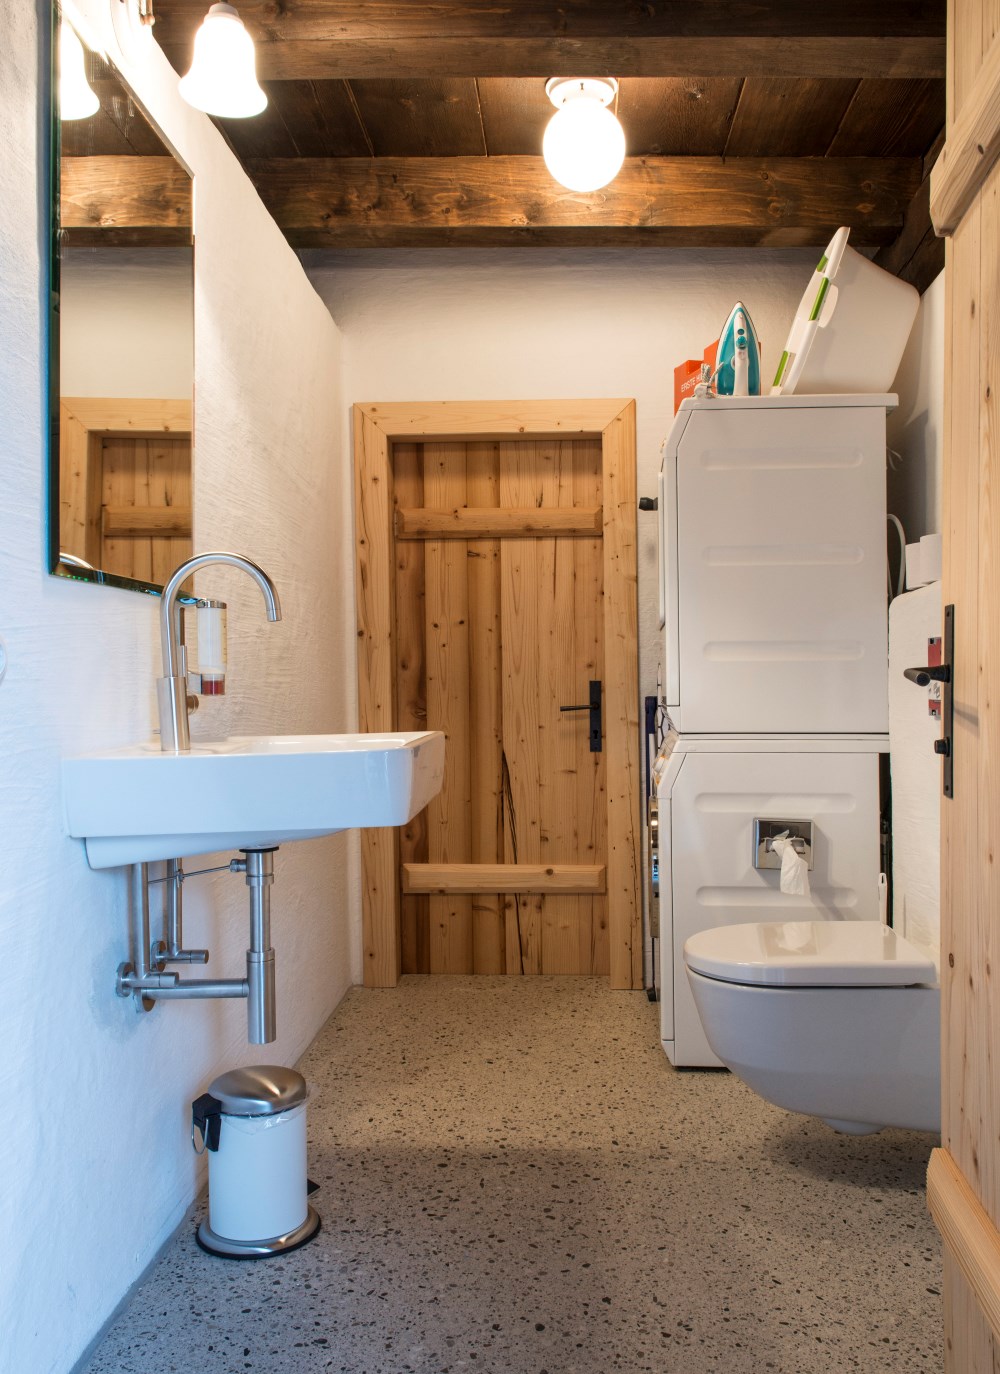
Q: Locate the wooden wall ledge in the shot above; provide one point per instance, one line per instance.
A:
(967, 1231)
(564, 878)
(971, 149)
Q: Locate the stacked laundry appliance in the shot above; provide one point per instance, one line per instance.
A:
(773, 678)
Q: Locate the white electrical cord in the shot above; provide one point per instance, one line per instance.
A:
(902, 559)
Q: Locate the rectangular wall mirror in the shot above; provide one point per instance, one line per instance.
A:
(121, 336)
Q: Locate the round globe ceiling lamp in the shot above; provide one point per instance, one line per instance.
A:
(223, 78)
(584, 146)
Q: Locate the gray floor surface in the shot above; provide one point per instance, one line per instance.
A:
(514, 1178)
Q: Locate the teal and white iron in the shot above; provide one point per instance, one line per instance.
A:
(737, 361)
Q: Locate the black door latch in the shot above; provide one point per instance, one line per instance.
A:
(594, 707)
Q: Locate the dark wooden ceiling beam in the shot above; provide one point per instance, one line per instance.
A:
(325, 39)
(354, 202)
(134, 200)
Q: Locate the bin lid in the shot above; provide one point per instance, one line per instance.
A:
(259, 1090)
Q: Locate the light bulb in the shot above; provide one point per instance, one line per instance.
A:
(584, 146)
(223, 80)
(77, 98)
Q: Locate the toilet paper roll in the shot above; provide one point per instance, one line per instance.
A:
(794, 869)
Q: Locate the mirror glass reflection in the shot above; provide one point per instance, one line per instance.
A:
(122, 336)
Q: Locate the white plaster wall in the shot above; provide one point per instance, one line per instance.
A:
(481, 324)
(916, 428)
(97, 1167)
(126, 322)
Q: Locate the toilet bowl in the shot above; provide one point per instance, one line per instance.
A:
(835, 1019)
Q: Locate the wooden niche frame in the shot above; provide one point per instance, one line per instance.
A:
(376, 426)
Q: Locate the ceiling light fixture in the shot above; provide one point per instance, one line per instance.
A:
(584, 146)
(223, 78)
(77, 98)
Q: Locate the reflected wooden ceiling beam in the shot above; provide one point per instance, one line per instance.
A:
(125, 200)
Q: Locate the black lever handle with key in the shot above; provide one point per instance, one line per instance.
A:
(594, 707)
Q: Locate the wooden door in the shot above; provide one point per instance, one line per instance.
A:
(964, 1175)
(496, 580)
(125, 484)
(497, 629)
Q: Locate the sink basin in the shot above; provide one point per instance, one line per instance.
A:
(139, 804)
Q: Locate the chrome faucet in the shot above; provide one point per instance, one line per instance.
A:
(171, 688)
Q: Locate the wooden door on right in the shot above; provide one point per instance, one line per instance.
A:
(499, 625)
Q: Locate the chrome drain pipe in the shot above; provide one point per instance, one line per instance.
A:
(144, 977)
(261, 1020)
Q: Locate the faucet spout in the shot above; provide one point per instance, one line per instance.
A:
(171, 688)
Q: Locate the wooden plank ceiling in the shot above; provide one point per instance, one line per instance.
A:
(420, 123)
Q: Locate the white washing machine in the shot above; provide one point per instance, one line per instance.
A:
(718, 800)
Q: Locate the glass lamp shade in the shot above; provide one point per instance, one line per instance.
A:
(223, 79)
(77, 98)
(584, 146)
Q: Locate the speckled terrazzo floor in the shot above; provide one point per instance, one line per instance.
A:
(514, 1179)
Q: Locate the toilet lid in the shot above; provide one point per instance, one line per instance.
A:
(809, 954)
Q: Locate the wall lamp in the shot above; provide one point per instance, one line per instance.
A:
(584, 146)
(77, 98)
(223, 77)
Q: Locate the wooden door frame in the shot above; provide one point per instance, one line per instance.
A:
(376, 427)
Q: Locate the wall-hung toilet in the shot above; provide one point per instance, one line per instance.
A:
(835, 1019)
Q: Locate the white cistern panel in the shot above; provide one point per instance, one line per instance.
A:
(707, 857)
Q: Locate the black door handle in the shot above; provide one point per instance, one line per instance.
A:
(594, 707)
(937, 672)
(941, 672)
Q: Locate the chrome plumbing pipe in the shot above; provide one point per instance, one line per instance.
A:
(199, 987)
(261, 1019)
(139, 951)
(175, 953)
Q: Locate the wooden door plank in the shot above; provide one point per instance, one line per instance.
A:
(968, 1232)
(960, 818)
(80, 483)
(447, 638)
(621, 696)
(167, 522)
(374, 554)
(483, 878)
(485, 710)
(588, 617)
(519, 620)
(411, 694)
(429, 420)
(971, 149)
(563, 738)
(981, 994)
(491, 523)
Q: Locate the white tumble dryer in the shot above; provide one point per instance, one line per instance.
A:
(718, 801)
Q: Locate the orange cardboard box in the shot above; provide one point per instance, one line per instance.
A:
(687, 374)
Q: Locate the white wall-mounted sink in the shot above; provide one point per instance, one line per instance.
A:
(139, 804)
